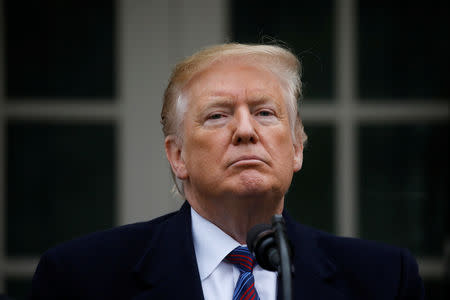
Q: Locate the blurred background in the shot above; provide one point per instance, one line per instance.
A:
(81, 147)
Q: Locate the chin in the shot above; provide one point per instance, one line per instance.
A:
(251, 192)
(251, 186)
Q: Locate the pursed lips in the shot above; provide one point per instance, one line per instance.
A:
(247, 159)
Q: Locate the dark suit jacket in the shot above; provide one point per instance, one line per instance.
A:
(156, 260)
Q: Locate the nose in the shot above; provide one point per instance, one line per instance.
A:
(244, 131)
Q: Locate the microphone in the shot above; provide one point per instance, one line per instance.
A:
(261, 242)
(272, 250)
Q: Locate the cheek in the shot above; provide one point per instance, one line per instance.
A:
(206, 150)
(283, 149)
(283, 141)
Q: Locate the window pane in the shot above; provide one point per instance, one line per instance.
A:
(403, 49)
(306, 26)
(404, 185)
(18, 289)
(59, 49)
(437, 289)
(310, 199)
(60, 183)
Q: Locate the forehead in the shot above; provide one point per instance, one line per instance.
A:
(234, 79)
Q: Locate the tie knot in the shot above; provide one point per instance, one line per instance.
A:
(241, 258)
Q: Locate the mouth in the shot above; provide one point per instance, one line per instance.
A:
(247, 160)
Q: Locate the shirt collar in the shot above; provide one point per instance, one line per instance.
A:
(211, 244)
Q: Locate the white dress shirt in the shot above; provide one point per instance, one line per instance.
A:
(219, 278)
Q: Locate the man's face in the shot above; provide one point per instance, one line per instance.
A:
(236, 135)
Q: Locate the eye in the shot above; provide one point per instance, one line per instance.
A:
(215, 116)
(265, 113)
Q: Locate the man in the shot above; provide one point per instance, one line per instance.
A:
(233, 138)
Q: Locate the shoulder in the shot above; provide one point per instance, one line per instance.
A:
(343, 248)
(117, 239)
(357, 250)
(87, 263)
(369, 265)
(379, 264)
(350, 250)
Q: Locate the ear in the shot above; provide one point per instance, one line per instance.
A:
(173, 152)
(298, 156)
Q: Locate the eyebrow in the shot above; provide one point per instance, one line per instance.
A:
(218, 101)
(226, 100)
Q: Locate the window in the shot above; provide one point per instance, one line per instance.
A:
(376, 109)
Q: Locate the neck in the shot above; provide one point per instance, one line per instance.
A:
(236, 216)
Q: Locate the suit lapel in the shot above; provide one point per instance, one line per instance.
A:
(168, 270)
(315, 272)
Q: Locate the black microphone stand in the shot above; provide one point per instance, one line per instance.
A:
(279, 228)
(270, 246)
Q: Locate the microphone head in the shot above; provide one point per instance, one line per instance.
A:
(255, 233)
(261, 242)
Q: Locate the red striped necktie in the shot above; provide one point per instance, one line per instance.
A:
(244, 261)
